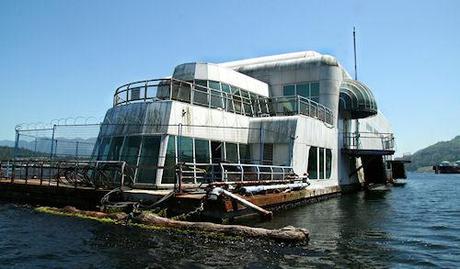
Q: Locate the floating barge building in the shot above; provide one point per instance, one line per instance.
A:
(276, 130)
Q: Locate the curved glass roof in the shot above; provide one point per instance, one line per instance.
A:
(356, 99)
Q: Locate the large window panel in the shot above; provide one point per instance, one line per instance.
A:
(328, 163)
(103, 149)
(115, 148)
(200, 95)
(216, 151)
(245, 155)
(185, 146)
(163, 90)
(231, 152)
(214, 85)
(182, 92)
(236, 99)
(202, 151)
(130, 150)
(313, 163)
(169, 171)
(289, 90)
(314, 91)
(148, 160)
(267, 157)
(303, 90)
(226, 88)
(216, 99)
(216, 94)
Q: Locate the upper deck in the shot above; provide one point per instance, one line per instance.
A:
(220, 96)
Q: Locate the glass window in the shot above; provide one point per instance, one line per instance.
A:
(236, 99)
(228, 101)
(163, 90)
(321, 163)
(115, 148)
(302, 90)
(231, 152)
(148, 161)
(216, 148)
(130, 150)
(185, 145)
(200, 95)
(314, 89)
(313, 163)
(268, 154)
(244, 94)
(202, 151)
(181, 91)
(203, 83)
(289, 90)
(103, 149)
(216, 99)
(216, 94)
(214, 85)
(248, 109)
(169, 172)
(246, 102)
(328, 163)
(245, 156)
(226, 88)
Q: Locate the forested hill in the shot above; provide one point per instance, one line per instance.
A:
(7, 153)
(434, 154)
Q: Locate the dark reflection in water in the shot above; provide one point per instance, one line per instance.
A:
(414, 226)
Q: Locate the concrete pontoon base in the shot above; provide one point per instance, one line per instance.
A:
(220, 210)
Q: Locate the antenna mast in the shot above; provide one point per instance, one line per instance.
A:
(354, 50)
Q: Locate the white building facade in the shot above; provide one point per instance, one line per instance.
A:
(297, 114)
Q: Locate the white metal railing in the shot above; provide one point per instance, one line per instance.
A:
(254, 106)
(233, 172)
(369, 141)
(262, 172)
(68, 172)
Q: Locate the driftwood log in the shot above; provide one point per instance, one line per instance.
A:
(286, 234)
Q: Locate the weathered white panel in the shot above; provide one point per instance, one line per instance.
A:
(208, 71)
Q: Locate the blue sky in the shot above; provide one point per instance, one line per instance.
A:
(63, 59)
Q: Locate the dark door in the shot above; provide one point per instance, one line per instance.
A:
(216, 157)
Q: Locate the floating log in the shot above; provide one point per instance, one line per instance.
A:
(286, 234)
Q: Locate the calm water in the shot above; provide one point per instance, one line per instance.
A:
(413, 226)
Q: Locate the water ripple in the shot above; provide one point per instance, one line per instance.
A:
(414, 226)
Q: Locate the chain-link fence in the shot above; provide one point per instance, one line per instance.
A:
(58, 142)
(97, 154)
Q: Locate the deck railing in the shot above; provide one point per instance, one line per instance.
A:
(107, 175)
(195, 173)
(369, 141)
(173, 89)
(94, 174)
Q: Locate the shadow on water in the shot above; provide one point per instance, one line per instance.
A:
(375, 195)
(414, 226)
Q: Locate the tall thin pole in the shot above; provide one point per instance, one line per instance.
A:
(16, 145)
(52, 142)
(354, 52)
(356, 78)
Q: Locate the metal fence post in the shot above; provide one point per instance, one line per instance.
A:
(76, 150)
(16, 145)
(15, 155)
(55, 148)
(52, 142)
(179, 159)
